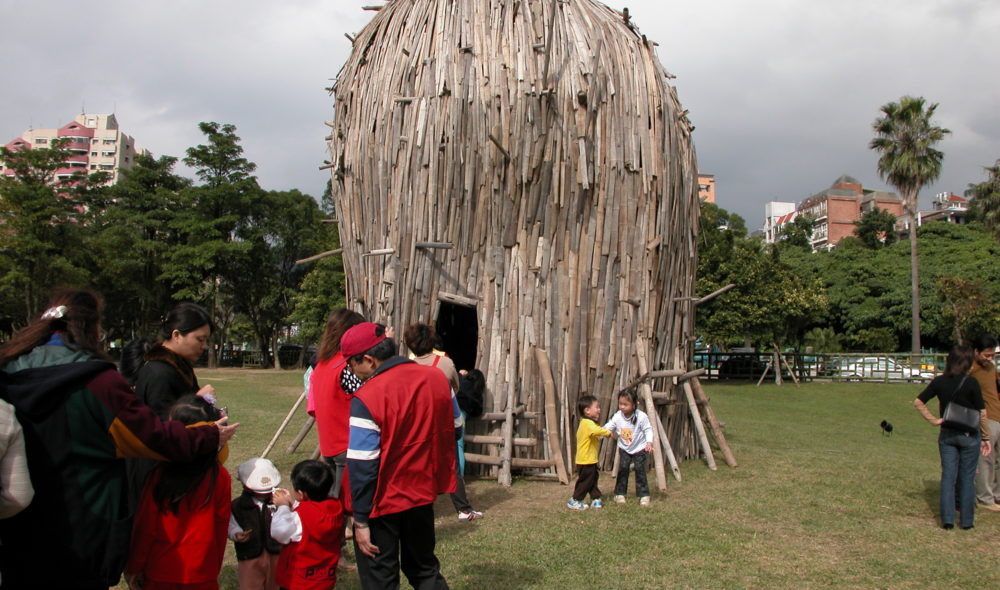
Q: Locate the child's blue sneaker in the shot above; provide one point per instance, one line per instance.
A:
(597, 504)
(576, 505)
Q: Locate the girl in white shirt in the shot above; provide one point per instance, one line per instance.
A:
(635, 441)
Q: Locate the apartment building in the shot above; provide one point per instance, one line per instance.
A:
(834, 211)
(706, 188)
(96, 144)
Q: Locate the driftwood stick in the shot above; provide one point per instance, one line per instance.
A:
(713, 424)
(699, 426)
(551, 426)
(301, 435)
(507, 432)
(691, 374)
(647, 397)
(318, 256)
(433, 245)
(667, 447)
(284, 424)
(714, 294)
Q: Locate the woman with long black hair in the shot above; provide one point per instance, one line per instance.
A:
(79, 419)
(164, 373)
(959, 444)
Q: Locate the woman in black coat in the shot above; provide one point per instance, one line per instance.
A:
(164, 372)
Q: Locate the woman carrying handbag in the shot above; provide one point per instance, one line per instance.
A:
(963, 434)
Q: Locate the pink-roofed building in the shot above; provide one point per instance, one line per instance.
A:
(95, 145)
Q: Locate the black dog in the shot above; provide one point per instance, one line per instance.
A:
(886, 428)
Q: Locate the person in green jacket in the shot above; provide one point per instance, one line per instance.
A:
(80, 419)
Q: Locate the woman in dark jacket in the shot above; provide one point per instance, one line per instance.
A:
(79, 419)
(166, 373)
(959, 446)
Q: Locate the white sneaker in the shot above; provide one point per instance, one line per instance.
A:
(467, 515)
(619, 499)
(576, 505)
(644, 501)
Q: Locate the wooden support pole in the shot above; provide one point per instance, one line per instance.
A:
(714, 294)
(713, 424)
(434, 245)
(647, 397)
(284, 424)
(691, 375)
(667, 447)
(318, 256)
(301, 435)
(485, 439)
(516, 462)
(507, 448)
(551, 426)
(699, 426)
(379, 252)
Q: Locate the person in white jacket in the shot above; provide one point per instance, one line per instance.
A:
(635, 441)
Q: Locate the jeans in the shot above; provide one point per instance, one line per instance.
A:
(639, 461)
(959, 458)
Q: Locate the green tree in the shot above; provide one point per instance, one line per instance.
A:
(264, 281)
(798, 233)
(133, 237)
(905, 138)
(969, 305)
(198, 268)
(41, 236)
(985, 205)
(876, 228)
(768, 303)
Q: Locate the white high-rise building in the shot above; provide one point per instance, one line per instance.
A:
(95, 145)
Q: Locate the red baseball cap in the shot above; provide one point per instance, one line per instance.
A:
(360, 338)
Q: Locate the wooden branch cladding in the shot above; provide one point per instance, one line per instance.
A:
(541, 140)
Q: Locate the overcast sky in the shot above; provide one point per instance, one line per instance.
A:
(782, 92)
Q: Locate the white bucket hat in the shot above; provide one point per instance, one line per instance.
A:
(258, 475)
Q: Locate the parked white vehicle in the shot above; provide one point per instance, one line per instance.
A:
(873, 367)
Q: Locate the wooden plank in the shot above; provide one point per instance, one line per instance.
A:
(551, 424)
(699, 426)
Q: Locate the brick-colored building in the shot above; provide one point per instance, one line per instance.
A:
(95, 145)
(706, 188)
(837, 208)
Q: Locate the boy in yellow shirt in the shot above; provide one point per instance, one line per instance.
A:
(588, 444)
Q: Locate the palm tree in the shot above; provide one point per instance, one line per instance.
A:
(905, 137)
(986, 198)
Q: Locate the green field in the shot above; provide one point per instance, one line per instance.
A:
(821, 499)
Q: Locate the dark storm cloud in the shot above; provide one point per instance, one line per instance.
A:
(782, 92)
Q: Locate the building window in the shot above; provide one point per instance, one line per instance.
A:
(40, 140)
(107, 166)
(93, 154)
(108, 154)
(109, 142)
(93, 140)
(93, 166)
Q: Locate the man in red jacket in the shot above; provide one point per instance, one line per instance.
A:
(401, 455)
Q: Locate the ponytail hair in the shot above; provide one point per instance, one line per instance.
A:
(75, 314)
(185, 317)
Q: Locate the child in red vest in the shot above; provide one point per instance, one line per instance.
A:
(179, 534)
(309, 523)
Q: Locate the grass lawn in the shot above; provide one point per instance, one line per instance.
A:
(821, 499)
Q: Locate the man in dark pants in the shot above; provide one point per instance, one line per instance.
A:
(401, 456)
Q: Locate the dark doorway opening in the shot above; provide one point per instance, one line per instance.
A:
(458, 328)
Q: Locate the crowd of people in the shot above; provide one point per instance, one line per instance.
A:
(108, 472)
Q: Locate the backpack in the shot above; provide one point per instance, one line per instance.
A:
(470, 393)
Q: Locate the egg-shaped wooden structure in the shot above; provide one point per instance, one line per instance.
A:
(521, 174)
